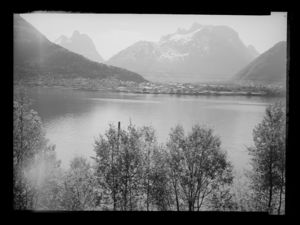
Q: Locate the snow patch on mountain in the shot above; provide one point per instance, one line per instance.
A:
(205, 50)
(172, 55)
(184, 38)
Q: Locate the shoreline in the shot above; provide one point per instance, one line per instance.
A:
(202, 93)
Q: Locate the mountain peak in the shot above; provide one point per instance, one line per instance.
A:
(76, 33)
(187, 54)
(269, 67)
(81, 44)
(61, 39)
(35, 55)
(184, 36)
(195, 26)
(253, 50)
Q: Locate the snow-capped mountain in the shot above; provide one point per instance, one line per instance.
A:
(81, 44)
(200, 53)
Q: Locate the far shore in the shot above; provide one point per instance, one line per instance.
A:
(200, 93)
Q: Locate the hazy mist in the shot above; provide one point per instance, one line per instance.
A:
(106, 29)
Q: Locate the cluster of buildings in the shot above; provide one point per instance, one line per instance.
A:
(159, 88)
(194, 89)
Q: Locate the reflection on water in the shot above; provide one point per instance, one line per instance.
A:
(73, 118)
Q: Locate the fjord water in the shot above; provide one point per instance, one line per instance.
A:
(74, 118)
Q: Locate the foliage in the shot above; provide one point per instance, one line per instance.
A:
(79, 184)
(119, 167)
(27, 140)
(160, 189)
(45, 176)
(29, 146)
(197, 166)
(131, 170)
(268, 160)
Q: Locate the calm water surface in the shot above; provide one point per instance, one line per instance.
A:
(73, 118)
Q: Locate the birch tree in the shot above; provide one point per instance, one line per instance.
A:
(29, 143)
(119, 167)
(79, 186)
(198, 166)
(268, 160)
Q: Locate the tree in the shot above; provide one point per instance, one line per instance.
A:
(79, 185)
(106, 153)
(268, 160)
(175, 145)
(149, 144)
(129, 164)
(119, 167)
(197, 166)
(159, 189)
(241, 194)
(44, 175)
(222, 199)
(28, 140)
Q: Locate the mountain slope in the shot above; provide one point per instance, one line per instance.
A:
(269, 67)
(35, 55)
(81, 44)
(253, 51)
(196, 54)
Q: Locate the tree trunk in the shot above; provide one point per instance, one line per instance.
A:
(148, 171)
(113, 169)
(176, 196)
(191, 204)
(279, 207)
(20, 158)
(130, 196)
(281, 187)
(125, 196)
(113, 185)
(270, 183)
(147, 194)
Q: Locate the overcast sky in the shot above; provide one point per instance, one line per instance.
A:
(114, 32)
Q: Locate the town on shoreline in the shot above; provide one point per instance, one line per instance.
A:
(208, 88)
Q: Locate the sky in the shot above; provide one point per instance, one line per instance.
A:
(112, 33)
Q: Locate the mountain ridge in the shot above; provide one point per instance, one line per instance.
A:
(81, 44)
(35, 55)
(269, 67)
(200, 52)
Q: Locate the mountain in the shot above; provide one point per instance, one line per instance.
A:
(253, 51)
(35, 55)
(269, 67)
(81, 44)
(200, 53)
